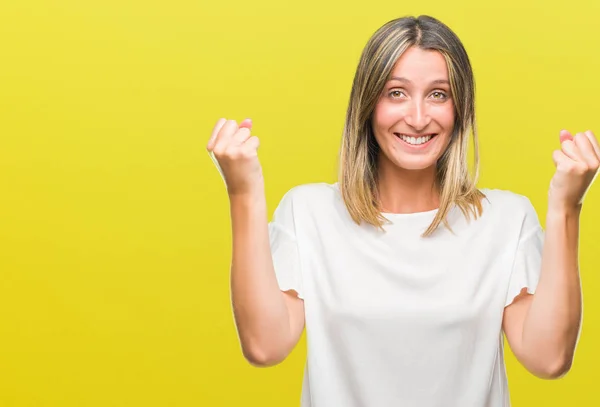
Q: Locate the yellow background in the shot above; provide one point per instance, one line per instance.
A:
(114, 224)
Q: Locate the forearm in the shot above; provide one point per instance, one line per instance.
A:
(259, 308)
(552, 323)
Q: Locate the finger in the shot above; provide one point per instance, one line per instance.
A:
(240, 136)
(559, 157)
(252, 143)
(216, 163)
(585, 147)
(246, 123)
(569, 148)
(213, 135)
(594, 142)
(565, 135)
(225, 134)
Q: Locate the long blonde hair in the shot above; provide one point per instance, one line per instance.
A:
(359, 149)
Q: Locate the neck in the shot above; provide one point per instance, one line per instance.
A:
(407, 191)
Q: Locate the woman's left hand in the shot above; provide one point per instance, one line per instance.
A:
(577, 164)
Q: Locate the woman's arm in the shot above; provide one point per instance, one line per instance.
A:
(269, 322)
(542, 329)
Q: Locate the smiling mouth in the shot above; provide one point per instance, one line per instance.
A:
(415, 140)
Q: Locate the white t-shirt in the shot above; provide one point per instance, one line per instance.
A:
(394, 319)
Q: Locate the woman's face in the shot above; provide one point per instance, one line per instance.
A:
(414, 117)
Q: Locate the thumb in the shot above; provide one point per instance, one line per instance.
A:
(246, 123)
(565, 135)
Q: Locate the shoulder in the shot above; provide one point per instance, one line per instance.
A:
(315, 193)
(510, 205)
(309, 200)
(505, 199)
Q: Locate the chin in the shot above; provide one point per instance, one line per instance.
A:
(410, 162)
(414, 165)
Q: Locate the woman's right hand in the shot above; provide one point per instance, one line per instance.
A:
(269, 322)
(235, 151)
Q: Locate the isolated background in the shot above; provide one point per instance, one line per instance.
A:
(114, 224)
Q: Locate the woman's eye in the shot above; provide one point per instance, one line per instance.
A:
(438, 95)
(396, 93)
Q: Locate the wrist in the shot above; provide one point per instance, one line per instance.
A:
(247, 197)
(563, 212)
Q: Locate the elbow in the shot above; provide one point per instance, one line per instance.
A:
(261, 357)
(556, 369)
(560, 370)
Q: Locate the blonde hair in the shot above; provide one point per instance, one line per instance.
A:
(359, 149)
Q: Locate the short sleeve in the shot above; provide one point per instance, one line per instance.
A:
(528, 257)
(284, 246)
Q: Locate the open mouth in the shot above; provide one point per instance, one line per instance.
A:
(416, 141)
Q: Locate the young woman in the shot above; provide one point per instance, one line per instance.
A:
(403, 272)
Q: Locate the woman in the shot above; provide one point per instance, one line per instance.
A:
(404, 273)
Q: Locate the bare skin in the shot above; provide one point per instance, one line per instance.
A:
(542, 329)
(269, 322)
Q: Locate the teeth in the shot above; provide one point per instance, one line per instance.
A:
(415, 140)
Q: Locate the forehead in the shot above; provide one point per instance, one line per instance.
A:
(419, 65)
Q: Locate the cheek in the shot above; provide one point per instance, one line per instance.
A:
(384, 116)
(445, 116)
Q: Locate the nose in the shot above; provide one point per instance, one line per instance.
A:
(417, 115)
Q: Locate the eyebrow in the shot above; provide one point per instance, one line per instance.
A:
(435, 82)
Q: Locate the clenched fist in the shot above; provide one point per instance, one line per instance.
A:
(577, 164)
(235, 152)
